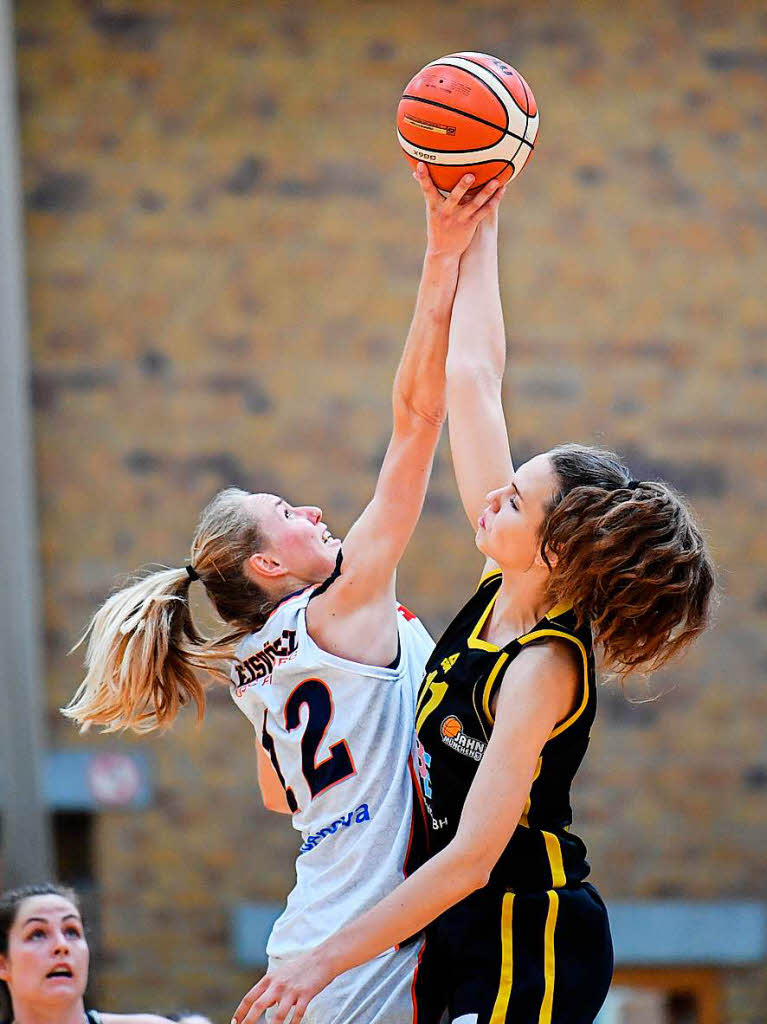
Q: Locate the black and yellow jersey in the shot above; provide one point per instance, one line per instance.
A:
(454, 721)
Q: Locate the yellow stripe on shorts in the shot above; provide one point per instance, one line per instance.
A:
(507, 963)
(548, 959)
(554, 851)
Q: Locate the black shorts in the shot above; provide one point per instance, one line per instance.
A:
(501, 957)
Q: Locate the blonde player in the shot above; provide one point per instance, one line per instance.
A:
(327, 662)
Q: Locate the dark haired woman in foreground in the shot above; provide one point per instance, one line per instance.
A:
(44, 959)
(577, 553)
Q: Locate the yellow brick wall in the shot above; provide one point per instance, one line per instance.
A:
(223, 251)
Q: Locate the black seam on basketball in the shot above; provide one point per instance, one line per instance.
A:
(499, 79)
(481, 81)
(444, 152)
(451, 152)
(456, 110)
(463, 113)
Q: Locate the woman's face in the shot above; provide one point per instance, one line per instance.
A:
(47, 958)
(297, 538)
(509, 529)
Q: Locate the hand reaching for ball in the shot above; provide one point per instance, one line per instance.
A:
(452, 220)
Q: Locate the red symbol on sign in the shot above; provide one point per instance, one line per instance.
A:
(114, 779)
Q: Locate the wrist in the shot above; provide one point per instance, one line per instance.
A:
(488, 226)
(445, 258)
(329, 958)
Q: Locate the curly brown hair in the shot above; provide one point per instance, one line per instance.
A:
(629, 555)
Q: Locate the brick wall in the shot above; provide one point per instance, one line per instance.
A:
(223, 250)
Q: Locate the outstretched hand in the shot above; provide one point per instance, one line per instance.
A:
(291, 986)
(452, 220)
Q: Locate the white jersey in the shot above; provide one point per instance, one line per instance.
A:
(341, 736)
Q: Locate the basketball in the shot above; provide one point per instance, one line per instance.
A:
(451, 727)
(468, 112)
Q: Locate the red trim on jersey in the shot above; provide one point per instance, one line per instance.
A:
(411, 769)
(416, 795)
(421, 803)
(408, 615)
(413, 996)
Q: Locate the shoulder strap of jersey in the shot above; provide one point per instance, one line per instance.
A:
(331, 578)
(485, 579)
(550, 627)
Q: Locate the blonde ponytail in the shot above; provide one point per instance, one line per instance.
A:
(144, 651)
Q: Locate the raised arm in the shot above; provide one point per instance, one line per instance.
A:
(476, 358)
(376, 542)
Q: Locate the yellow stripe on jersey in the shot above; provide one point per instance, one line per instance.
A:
(438, 691)
(424, 691)
(554, 851)
(523, 820)
(559, 609)
(573, 639)
(549, 959)
(501, 1005)
(486, 576)
(489, 687)
(474, 641)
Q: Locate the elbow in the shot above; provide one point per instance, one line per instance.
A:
(479, 876)
(470, 871)
(410, 417)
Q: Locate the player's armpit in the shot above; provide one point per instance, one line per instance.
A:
(272, 793)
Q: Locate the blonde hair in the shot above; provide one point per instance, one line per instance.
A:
(144, 651)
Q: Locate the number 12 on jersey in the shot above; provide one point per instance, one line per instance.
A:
(315, 694)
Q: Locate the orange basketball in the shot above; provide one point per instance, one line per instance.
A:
(451, 727)
(468, 112)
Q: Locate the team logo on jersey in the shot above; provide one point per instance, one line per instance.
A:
(424, 763)
(452, 735)
(357, 817)
(258, 667)
(447, 663)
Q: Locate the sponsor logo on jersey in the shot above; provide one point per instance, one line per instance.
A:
(424, 762)
(452, 735)
(357, 817)
(258, 667)
(447, 663)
